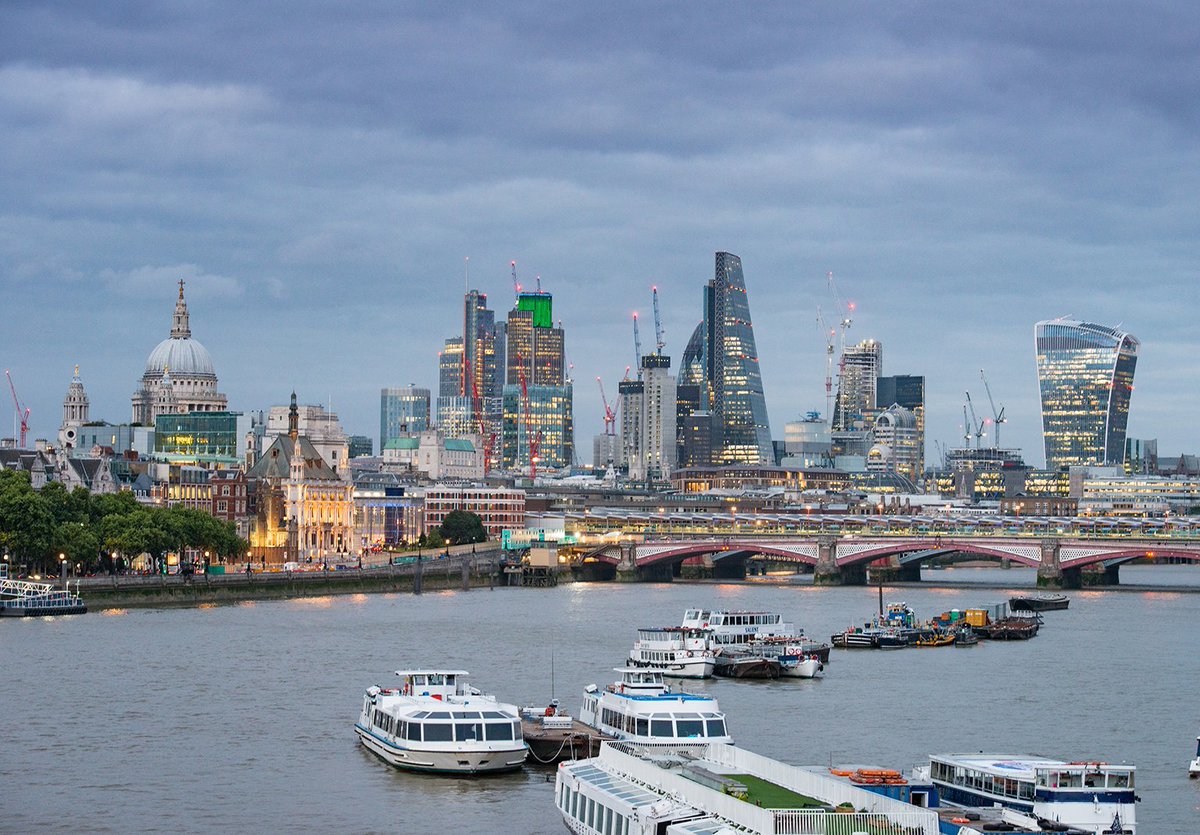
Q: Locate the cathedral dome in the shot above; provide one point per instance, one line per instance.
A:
(182, 357)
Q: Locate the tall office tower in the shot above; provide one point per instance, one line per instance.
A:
(630, 394)
(1085, 374)
(402, 410)
(854, 409)
(908, 391)
(469, 398)
(538, 398)
(722, 352)
(453, 409)
(691, 397)
(659, 419)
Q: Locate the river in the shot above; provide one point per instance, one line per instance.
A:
(239, 717)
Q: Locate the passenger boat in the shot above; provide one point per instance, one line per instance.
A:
(554, 736)
(1194, 768)
(641, 708)
(23, 598)
(1094, 797)
(678, 652)
(1039, 602)
(435, 722)
(733, 627)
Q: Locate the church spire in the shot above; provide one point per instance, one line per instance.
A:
(294, 418)
(179, 326)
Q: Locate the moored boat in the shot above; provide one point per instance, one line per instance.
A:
(641, 708)
(1039, 602)
(1194, 768)
(23, 598)
(1009, 629)
(678, 652)
(436, 722)
(737, 663)
(554, 736)
(1094, 797)
(964, 636)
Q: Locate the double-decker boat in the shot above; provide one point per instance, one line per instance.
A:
(641, 708)
(738, 627)
(677, 652)
(1094, 797)
(436, 722)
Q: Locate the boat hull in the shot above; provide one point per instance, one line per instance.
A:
(808, 668)
(442, 762)
(747, 668)
(1194, 768)
(698, 667)
(1039, 603)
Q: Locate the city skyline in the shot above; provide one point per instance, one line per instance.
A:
(330, 259)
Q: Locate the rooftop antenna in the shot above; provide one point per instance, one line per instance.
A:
(466, 274)
(539, 283)
(659, 344)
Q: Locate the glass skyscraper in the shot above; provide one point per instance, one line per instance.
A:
(741, 431)
(1085, 374)
(402, 410)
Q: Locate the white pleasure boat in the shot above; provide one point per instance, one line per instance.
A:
(641, 708)
(675, 651)
(1094, 797)
(1194, 768)
(434, 721)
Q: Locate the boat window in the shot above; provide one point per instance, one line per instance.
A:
(468, 714)
(418, 679)
(401, 729)
(641, 727)
(1093, 780)
(492, 714)
(421, 714)
(716, 727)
(439, 732)
(437, 678)
(661, 727)
(1025, 791)
(690, 727)
(414, 732)
(1069, 780)
(468, 731)
(498, 730)
(440, 714)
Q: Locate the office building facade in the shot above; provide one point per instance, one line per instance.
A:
(1085, 378)
(401, 411)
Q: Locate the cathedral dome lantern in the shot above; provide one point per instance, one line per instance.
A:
(193, 378)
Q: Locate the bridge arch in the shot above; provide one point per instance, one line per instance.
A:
(938, 546)
(1110, 559)
(731, 550)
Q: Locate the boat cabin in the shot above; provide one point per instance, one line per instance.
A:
(641, 708)
(438, 684)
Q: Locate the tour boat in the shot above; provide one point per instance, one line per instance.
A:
(1194, 768)
(22, 598)
(677, 652)
(436, 722)
(1095, 797)
(641, 708)
(731, 627)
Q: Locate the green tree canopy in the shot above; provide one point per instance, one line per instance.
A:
(462, 527)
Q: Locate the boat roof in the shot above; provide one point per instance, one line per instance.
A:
(1015, 765)
(425, 672)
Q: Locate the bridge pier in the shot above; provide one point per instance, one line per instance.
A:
(827, 572)
(627, 570)
(1050, 574)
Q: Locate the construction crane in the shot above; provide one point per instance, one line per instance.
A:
(976, 425)
(488, 438)
(997, 417)
(659, 344)
(610, 415)
(845, 321)
(637, 344)
(22, 412)
(966, 428)
(516, 286)
(830, 336)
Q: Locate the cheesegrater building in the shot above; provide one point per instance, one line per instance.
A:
(1085, 376)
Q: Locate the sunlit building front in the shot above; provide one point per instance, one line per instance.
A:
(1085, 374)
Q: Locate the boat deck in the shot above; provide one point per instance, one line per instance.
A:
(552, 745)
(772, 796)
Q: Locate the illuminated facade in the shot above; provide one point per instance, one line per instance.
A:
(896, 447)
(211, 438)
(721, 359)
(1085, 374)
(854, 409)
(545, 421)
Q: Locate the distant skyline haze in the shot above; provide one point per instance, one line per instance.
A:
(318, 174)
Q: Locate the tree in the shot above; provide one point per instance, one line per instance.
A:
(462, 527)
(435, 539)
(26, 523)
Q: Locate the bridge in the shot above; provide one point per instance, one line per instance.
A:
(1065, 551)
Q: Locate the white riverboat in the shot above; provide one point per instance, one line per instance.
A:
(1094, 797)
(434, 721)
(730, 627)
(719, 789)
(1194, 768)
(676, 652)
(641, 708)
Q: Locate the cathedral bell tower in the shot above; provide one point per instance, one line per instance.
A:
(75, 413)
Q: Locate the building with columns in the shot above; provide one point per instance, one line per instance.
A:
(179, 375)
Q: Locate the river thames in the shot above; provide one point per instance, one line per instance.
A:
(239, 717)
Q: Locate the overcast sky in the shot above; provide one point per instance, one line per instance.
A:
(317, 173)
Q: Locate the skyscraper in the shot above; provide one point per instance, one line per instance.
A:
(1085, 374)
(469, 401)
(854, 409)
(908, 391)
(537, 396)
(402, 410)
(659, 419)
(731, 385)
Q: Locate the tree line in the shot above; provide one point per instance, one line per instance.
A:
(100, 532)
